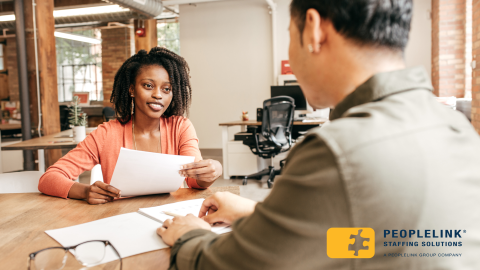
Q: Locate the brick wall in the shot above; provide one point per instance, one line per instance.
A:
(12, 67)
(116, 48)
(476, 71)
(449, 47)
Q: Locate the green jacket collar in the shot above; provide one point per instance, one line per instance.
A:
(382, 85)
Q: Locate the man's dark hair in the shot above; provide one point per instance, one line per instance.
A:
(383, 23)
(177, 69)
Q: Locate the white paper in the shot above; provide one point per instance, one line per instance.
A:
(181, 208)
(142, 173)
(130, 233)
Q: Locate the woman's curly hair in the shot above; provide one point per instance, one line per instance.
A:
(177, 69)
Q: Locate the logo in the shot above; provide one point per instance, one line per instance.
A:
(350, 243)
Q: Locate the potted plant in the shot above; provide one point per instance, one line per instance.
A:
(78, 120)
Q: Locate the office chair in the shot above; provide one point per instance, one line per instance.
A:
(108, 114)
(275, 136)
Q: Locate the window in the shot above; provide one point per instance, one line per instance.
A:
(168, 34)
(79, 65)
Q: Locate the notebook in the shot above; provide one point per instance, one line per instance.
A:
(132, 233)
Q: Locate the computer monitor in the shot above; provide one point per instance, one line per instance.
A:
(293, 91)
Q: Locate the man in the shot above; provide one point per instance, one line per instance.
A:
(392, 159)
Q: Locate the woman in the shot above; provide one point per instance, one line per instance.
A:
(151, 93)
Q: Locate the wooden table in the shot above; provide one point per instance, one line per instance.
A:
(11, 128)
(243, 127)
(46, 142)
(51, 141)
(24, 218)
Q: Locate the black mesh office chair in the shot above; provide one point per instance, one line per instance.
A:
(108, 114)
(275, 136)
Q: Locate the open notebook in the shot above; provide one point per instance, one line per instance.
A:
(131, 233)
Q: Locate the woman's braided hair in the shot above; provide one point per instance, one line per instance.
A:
(177, 69)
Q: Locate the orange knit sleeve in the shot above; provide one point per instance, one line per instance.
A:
(189, 147)
(59, 178)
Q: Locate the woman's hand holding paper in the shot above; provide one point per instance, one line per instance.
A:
(204, 171)
(100, 192)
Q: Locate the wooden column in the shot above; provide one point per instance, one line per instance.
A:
(150, 39)
(47, 67)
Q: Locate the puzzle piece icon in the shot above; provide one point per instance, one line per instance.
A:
(358, 244)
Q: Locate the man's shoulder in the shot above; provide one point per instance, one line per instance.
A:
(391, 118)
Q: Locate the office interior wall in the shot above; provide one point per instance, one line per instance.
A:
(227, 45)
(419, 48)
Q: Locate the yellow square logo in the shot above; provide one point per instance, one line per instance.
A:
(350, 243)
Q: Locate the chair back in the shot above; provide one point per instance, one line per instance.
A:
(108, 114)
(19, 182)
(277, 120)
(96, 174)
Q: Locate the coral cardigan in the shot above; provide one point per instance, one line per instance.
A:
(103, 145)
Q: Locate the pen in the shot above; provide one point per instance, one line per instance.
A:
(60, 141)
(172, 214)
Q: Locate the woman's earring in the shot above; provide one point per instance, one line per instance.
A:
(310, 48)
(133, 105)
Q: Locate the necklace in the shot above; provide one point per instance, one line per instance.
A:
(133, 131)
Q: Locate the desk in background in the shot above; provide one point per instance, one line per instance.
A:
(43, 143)
(26, 217)
(238, 151)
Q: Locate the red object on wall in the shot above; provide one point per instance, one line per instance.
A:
(140, 32)
(286, 67)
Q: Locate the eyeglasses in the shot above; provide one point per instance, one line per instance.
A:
(87, 254)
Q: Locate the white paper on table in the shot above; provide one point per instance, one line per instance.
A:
(142, 173)
(130, 234)
(180, 208)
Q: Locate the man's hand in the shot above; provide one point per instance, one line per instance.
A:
(204, 171)
(173, 229)
(100, 192)
(225, 207)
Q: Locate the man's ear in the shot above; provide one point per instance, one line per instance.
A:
(313, 35)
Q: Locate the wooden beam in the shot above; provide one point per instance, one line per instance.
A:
(47, 68)
(150, 39)
(66, 3)
(8, 6)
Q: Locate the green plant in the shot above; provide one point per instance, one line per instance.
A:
(77, 117)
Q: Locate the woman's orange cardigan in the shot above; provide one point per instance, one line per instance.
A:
(103, 145)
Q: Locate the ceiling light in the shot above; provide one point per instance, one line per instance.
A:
(7, 18)
(88, 11)
(76, 12)
(77, 38)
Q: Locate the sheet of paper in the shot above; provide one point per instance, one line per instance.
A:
(142, 173)
(180, 208)
(130, 233)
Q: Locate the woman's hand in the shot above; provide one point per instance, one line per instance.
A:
(204, 171)
(225, 207)
(173, 229)
(99, 193)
